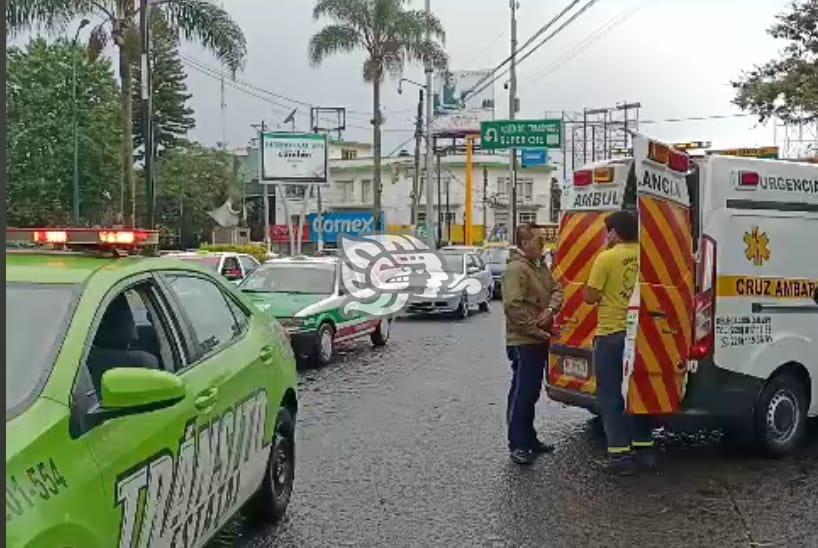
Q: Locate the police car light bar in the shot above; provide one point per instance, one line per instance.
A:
(748, 179)
(99, 237)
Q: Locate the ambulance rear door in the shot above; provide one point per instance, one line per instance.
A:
(659, 334)
(597, 190)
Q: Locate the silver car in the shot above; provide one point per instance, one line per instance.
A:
(462, 264)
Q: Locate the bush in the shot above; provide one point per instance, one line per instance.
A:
(257, 251)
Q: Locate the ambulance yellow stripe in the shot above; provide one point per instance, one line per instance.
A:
(667, 234)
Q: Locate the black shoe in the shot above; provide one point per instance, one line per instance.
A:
(541, 448)
(646, 458)
(623, 465)
(523, 456)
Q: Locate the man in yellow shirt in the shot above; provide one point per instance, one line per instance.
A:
(610, 286)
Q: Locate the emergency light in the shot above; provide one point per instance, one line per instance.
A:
(666, 156)
(600, 175)
(102, 238)
(604, 175)
(583, 178)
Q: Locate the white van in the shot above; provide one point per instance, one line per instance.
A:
(728, 319)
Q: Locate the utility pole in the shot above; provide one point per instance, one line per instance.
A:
(430, 238)
(76, 180)
(485, 202)
(147, 130)
(416, 178)
(439, 203)
(468, 223)
(512, 114)
(261, 129)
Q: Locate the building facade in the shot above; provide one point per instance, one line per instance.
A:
(350, 190)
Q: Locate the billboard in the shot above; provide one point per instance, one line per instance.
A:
(293, 157)
(337, 223)
(460, 105)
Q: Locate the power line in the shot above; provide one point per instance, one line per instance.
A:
(696, 118)
(598, 34)
(248, 90)
(508, 59)
(562, 27)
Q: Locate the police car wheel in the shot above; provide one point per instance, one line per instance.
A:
(270, 502)
(781, 415)
(485, 306)
(380, 336)
(324, 350)
(462, 310)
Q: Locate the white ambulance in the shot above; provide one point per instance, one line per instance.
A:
(727, 322)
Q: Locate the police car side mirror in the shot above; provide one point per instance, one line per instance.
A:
(472, 270)
(135, 390)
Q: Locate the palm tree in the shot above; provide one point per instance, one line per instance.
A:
(391, 35)
(198, 20)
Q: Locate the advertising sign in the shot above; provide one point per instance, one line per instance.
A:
(280, 234)
(294, 157)
(336, 223)
(458, 109)
(534, 157)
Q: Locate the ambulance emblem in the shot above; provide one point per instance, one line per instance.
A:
(758, 250)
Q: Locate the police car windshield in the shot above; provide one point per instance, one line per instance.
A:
(40, 314)
(271, 278)
(453, 263)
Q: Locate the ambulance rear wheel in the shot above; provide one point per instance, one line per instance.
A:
(781, 415)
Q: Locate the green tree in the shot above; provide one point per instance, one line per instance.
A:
(172, 118)
(198, 20)
(391, 35)
(39, 138)
(195, 180)
(786, 88)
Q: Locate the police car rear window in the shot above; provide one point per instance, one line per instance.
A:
(37, 316)
(208, 262)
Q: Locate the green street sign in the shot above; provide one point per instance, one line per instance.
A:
(500, 134)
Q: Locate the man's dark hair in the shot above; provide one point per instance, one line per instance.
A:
(525, 232)
(625, 225)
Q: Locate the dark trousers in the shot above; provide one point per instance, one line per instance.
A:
(623, 432)
(527, 369)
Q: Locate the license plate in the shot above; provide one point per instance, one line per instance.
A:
(575, 367)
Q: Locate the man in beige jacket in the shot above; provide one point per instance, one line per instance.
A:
(531, 297)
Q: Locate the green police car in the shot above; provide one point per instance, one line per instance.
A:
(147, 401)
(306, 296)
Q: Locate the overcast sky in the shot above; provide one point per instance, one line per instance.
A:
(675, 57)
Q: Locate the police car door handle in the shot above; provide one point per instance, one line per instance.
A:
(206, 398)
(267, 353)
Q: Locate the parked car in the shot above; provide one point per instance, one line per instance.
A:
(233, 266)
(305, 295)
(496, 257)
(461, 264)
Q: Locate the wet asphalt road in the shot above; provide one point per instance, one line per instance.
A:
(405, 446)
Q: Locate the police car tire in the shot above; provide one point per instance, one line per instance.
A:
(791, 388)
(378, 337)
(269, 503)
(462, 310)
(318, 360)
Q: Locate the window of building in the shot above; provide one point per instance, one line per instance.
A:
(366, 191)
(421, 217)
(345, 191)
(349, 154)
(527, 217)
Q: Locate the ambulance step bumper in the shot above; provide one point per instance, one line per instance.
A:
(573, 398)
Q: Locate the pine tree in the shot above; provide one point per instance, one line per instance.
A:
(172, 118)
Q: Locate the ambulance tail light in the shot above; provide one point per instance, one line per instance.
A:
(659, 153)
(704, 316)
(604, 175)
(748, 179)
(583, 178)
(679, 161)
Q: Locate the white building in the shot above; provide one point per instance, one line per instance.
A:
(350, 189)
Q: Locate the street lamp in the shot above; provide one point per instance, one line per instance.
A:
(76, 183)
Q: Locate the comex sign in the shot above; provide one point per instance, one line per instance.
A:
(333, 225)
